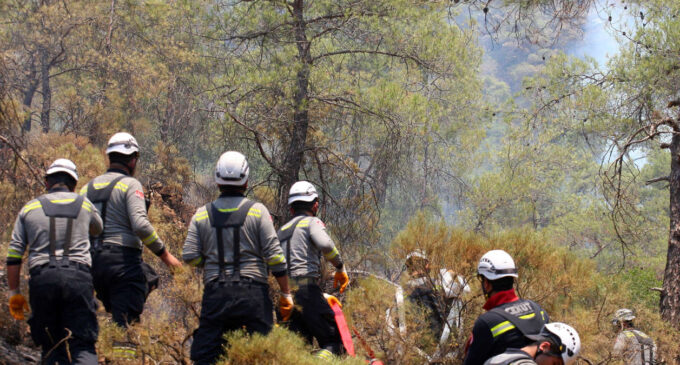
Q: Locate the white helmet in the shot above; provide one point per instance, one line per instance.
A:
(123, 143)
(232, 169)
(63, 165)
(623, 315)
(302, 191)
(496, 264)
(417, 253)
(565, 337)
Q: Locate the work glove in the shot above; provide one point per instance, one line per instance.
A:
(341, 278)
(17, 306)
(332, 300)
(285, 306)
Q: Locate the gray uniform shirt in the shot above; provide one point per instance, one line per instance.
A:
(126, 221)
(260, 248)
(32, 231)
(309, 240)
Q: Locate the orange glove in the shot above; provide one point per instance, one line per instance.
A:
(341, 278)
(17, 306)
(332, 300)
(285, 306)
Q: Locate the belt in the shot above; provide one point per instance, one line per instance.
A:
(304, 280)
(243, 280)
(72, 264)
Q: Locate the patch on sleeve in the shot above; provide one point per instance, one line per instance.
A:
(139, 194)
(318, 221)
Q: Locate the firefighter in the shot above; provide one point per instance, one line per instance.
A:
(633, 346)
(54, 228)
(556, 344)
(234, 240)
(508, 319)
(435, 294)
(120, 275)
(304, 239)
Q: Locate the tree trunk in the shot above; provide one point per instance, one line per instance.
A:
(296, 147)
(670, 297)
(46, 91)
(29, 92)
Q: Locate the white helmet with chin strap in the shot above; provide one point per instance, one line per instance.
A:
(123, 143)
(232, 169)
(496, 264)
(63, 165)
(302, 191)
(565, 337)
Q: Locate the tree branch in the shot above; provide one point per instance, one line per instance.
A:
(662, 178)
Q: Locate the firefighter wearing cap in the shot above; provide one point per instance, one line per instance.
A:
(508, 319)
(632, 345)
(428, 292)
(233, 239)
(304, 240)
(54, 229)
(556, 344)
(120, 276)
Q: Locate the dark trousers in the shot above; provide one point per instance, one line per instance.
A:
(316, 319)
(120, 282)
(426, 298)
(226, 307)
(61, 301)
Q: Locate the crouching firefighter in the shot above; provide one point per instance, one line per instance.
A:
(234, 240)
(304, 239)
(55, 229)
(556, 344)
(508, 320)
(120, 275)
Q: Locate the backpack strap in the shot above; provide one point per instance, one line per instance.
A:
(70, 212)
(102, 196)
(527, 316)
(233, 219)
(285, 234)
(645, 343)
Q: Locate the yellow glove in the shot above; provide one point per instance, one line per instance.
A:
(342, 278)
(332, 300)
(17, 306)
(285, 306)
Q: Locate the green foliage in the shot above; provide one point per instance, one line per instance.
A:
(279, 347)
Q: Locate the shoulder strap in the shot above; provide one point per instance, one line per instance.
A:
(645, 343)
(234, 220)
(102, 196)
(527, 324)
(70, 212)
(285, 234)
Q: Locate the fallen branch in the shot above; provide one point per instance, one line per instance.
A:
(660, 290)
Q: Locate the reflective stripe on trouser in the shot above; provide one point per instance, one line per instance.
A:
(61, 298)
(226, 307)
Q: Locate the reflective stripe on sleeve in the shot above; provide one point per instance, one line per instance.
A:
(501, 328)
(151, 239)
(32, 206)
(14, 254)
(195, 262)
(303, 223)
(528, 316)
(278, 259)
(331, 255)
(201, 216)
